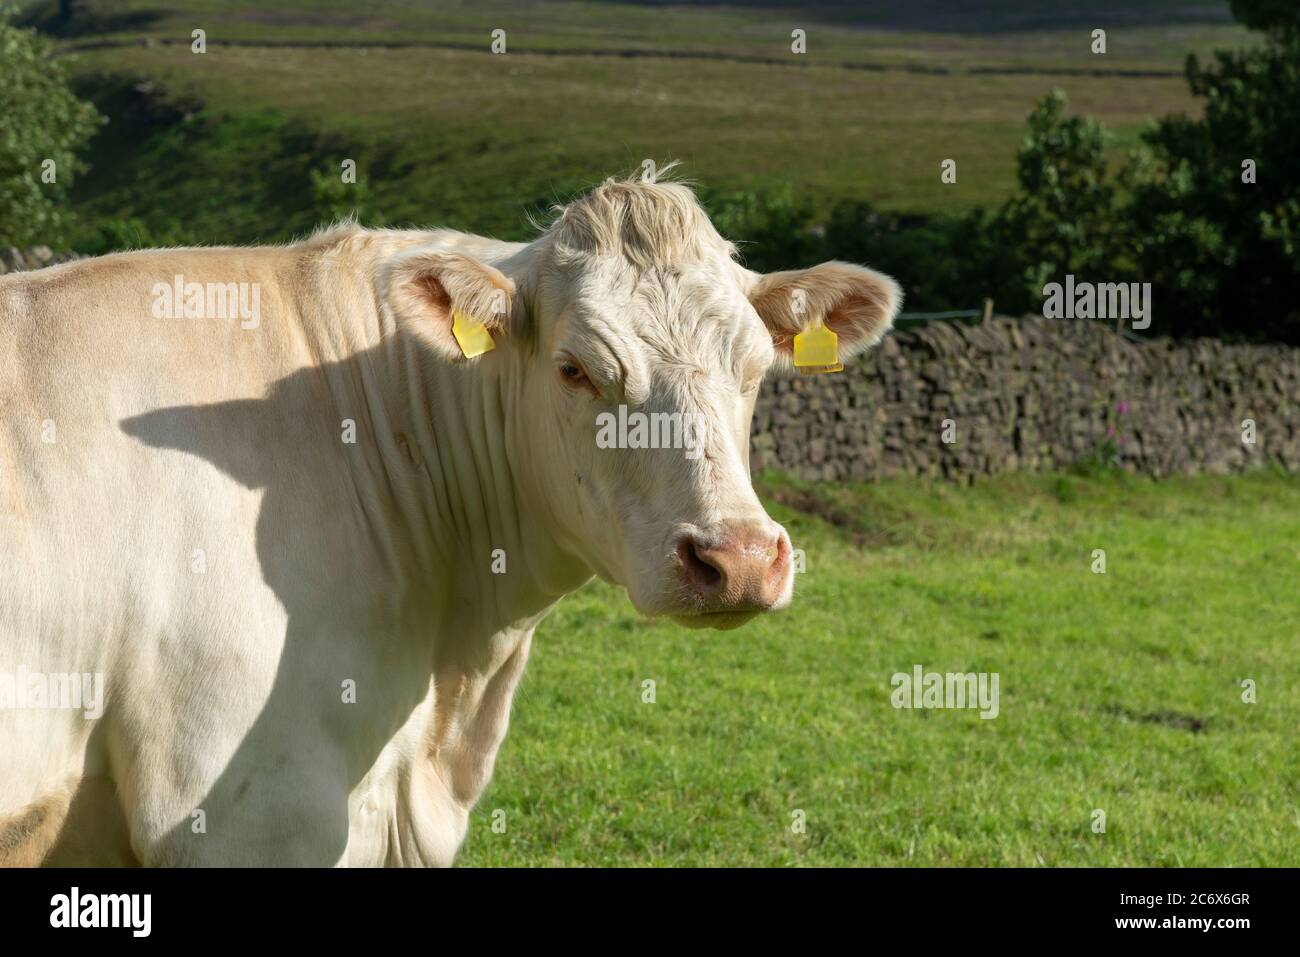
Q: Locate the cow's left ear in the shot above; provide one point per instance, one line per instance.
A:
(856, 303)
(432, 292)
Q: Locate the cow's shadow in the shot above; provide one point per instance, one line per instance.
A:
(309, 522)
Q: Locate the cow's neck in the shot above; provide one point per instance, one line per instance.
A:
(441, 462)
(453, 511)
(484, 513)
(491, 563)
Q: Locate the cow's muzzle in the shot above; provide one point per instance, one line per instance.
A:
(731, 572)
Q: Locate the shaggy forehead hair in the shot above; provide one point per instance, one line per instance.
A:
(646, 224)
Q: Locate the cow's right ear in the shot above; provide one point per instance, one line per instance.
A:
(426, 291)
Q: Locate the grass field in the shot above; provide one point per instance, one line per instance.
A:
(1043, 34)
(1119, 692)
(450, 133)
(541, 127)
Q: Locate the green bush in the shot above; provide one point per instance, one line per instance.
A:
(42, 128)
(773, 228)
(334, 200)
(1224, 254)
(113, 235)
(1064, 219)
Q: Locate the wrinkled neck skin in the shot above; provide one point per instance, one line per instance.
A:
(476, 504)
(447, 461)
(446, 472)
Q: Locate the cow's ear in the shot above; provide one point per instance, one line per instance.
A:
(430, 292)
(856, 303)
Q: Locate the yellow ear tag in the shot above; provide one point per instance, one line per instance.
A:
(816, 350)
(471, 335)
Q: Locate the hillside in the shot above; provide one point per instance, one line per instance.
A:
(443, 130)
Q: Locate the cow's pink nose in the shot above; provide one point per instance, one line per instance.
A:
(741, 566)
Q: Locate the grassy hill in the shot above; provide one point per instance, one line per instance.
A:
(446, 131)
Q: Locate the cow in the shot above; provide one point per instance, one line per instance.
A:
(296, 511)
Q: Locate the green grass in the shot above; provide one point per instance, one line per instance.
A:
(449, 133)
(1119, 691)
(955, 33)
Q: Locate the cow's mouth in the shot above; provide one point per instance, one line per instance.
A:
(718, 620)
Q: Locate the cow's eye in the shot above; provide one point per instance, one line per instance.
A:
(573, 376)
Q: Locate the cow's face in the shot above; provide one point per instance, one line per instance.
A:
(638, 370)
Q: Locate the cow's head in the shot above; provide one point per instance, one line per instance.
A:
(628, 324)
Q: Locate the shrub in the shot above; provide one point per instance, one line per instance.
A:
(42, 127)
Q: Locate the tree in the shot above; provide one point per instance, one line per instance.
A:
(1215, 202)
(1207, 210)
(42, 126)
(1278, 16)
(1063, 221)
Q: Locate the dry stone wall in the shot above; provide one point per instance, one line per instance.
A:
(1033, 393)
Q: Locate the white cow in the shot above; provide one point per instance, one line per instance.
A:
(263, 498)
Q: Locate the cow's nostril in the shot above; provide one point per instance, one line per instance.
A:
(700, 572)
(741, 566)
